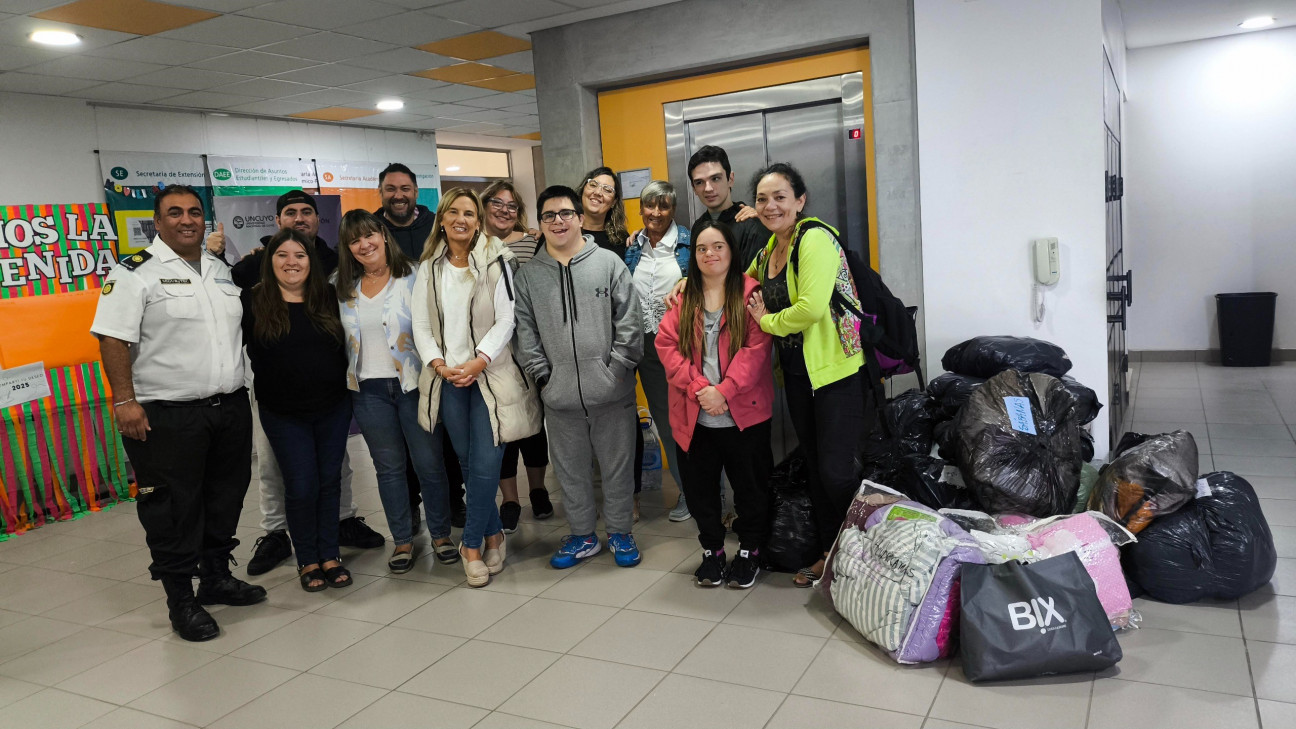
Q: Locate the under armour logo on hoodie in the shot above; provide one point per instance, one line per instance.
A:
(602, 291)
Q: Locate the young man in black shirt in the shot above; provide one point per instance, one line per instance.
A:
(713, 179)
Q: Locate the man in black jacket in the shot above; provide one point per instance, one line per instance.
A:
(410, 223)
(294, 209)
(713, 179)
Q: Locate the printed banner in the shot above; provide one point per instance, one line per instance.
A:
(250, 219)
(51, 249)
(245, 191)
(131, 182)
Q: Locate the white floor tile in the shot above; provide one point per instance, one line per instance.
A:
(305, 702)
(389, 657)
(239, 626)
(72, 655)
(98, 607)
(1056, 702)
(552, 625)
(801, 712)
(462, 611)
(596, 584)
(681, 701)
(855, 673)
(677, 594)
(1273, 665)
(1270, 618)
(603, 695)
(1277, 715)
(1125, 704)
(212, 691)
(1187, 660)
(480, 674)
(1238, 430)
(382, 601)
(1202, 617)
(407, 710)
(123, 718)
(130, 676)
(307, 641)
(54, 709)
(1285, 448)
(644, 639)
(30, 633)
(11, 690)
(1257, 465)
(752, 657)
(777, 604)
(1273, 487)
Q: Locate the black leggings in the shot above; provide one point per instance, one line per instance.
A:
(535, 454)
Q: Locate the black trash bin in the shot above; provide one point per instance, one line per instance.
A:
(1246, 325)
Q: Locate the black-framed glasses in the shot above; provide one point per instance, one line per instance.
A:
(499, 204)
(593, 185)
(566, 214)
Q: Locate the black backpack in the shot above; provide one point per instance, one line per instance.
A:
(886, 323)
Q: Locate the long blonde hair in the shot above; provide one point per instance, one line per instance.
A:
(438, 236)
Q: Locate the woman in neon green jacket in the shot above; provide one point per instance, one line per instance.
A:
(818, 344)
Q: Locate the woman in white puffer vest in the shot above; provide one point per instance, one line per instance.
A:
(470, 384)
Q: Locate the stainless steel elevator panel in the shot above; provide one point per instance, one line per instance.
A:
(807, 124)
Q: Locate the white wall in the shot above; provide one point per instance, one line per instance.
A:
(50, 142)
(520, 156)
(1210, 184)
(1011, 148)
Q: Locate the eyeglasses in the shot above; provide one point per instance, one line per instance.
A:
(499, 204)
(593, 185)
(548, 218)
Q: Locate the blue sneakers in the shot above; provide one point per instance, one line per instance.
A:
(576, 548)
(624, 550)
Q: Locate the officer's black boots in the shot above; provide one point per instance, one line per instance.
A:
(188, 619)
(217, 586)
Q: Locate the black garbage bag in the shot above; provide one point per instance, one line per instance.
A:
(1086, 445)
(1217, 546)
(945, 435)
(918, 477)
(793, 540)
(951, 390)
(1018, 445)
(1087, 405)
(1151, 479)
(988, 356)
(1128, 441)
(909, 419)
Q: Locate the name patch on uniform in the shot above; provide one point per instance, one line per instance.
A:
(175, 281)
(107, 288)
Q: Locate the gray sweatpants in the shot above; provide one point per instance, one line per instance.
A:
(575, 439)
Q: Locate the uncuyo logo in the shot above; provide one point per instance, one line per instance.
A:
(238, 222)
(221, 173)
(1040, 613)
(119, 173)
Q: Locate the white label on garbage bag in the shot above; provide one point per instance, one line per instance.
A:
(1203, 488)
(952, 476)
(1019, 414)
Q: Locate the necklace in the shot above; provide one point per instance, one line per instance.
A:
(380, 273)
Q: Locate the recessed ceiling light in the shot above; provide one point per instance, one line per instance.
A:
(391, 104)
(55, 38)
(1264, 21)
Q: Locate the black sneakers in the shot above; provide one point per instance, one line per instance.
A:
(743, 569)
(541, 506)
(354, 532)
(269, 551)
(227, 589)
(510, 512)
(712, 571)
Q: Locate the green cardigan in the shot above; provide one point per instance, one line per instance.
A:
(810, 287)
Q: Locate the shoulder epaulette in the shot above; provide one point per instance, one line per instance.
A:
(132, 262)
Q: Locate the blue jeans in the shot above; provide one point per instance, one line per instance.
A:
(388, 421)
(309, 451)
(465, 417)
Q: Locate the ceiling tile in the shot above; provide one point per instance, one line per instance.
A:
(22, 7)
(496, 101)
(93, 68)
(418, 4)
(590, 3)
(397, 85)
(14, 57)
(453, 92)
(494, 13)
(534, 136)
(152, 49)
(15, 31)
(410, 29)
(328, 47)
(266, 88)
(403, 60)
(527, 92)
(206, 100)
(332, 74)
(476, 46)
(490, 115)
(125, 93)
(236, 31)
(141, 17)
(30, 83)
(322, 14)
(335, 113)
(516, 82)
(449, 111)
(187, 78)
(521, 62)
(430, 123)
(253, 63)
(461, 73)
(334, 97)
(220, 6)
(273, 107)
(396, 117)
(475, 128)
(528, 108)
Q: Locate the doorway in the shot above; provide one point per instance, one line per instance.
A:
(1119, 279)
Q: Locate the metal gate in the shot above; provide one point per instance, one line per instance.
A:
(1120, 280)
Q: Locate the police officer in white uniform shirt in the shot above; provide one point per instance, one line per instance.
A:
(168, 324)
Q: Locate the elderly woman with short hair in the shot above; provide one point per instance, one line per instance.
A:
(658, 257)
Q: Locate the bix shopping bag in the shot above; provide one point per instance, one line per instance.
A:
(1026, 620)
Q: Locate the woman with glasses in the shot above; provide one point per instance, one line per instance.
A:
(658, 257)
(506, 219)
(471, 385)
(604, 218)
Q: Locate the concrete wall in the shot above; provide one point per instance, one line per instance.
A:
(1010, 124)
(1209, 181)
(574, 62)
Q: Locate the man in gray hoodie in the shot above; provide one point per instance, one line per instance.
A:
(579, 338)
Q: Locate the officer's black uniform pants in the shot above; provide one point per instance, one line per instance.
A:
(197, 461)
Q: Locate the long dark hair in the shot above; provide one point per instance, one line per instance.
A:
(787, 172)
(268, 305)
(615, 224)
(692, 303)
(357, 224)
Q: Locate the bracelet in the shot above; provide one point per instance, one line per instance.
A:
(123, 402)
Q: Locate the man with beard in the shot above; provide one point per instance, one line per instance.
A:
(410, 225)
(294, 209)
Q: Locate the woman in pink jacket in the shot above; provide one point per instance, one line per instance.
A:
(721, 391)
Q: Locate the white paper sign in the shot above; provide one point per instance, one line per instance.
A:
(633, 182)
(23, 384)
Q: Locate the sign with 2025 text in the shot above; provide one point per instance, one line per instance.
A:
(23, 384)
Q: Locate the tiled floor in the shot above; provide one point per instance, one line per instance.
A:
(84, 640)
